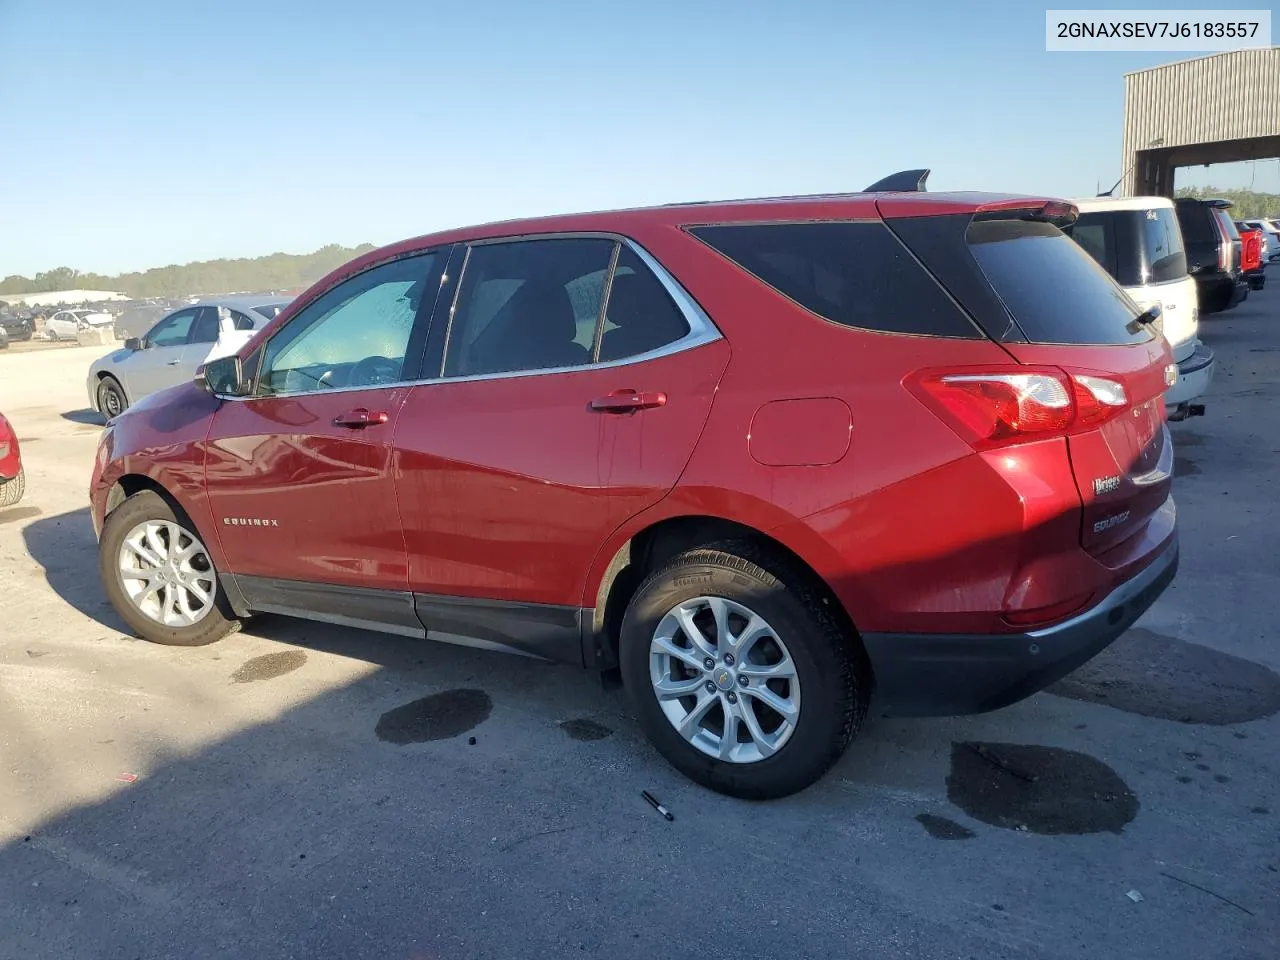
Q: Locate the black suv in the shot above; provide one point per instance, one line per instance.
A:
(1213, 252)
(16, 326)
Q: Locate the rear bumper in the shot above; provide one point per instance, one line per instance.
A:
(1194, 376)
(949, 674)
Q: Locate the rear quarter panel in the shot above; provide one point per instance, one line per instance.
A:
(910, 527)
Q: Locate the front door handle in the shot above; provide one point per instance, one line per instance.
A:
(628, 401)
(173, 363)
(360, 418)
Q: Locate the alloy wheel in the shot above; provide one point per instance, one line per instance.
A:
(724, 679)
(167, 574)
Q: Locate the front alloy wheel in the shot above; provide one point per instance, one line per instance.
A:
(159, 576)
(167, 574)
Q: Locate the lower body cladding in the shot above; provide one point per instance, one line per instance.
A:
(1257, 279)
(915, 674)
(542, 630)
(1195, 373)
(944, 675)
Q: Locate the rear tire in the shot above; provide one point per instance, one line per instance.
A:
(11, 491)
(111, 399)
(801, 639)
(155, 599)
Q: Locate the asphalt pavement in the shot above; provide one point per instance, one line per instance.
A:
(308, 791)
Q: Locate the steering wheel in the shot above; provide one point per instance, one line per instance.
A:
(374, 371)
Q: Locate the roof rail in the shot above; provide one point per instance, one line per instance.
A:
(904, 181)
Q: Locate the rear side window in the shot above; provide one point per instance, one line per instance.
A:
(640, 315)
(855, 274)
(1055, 291)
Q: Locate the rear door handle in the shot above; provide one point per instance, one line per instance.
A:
(173, 363)
(360, 417)
(626, 401)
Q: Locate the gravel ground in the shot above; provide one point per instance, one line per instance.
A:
(309, 791)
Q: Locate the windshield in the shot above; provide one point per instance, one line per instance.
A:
(1055, 292)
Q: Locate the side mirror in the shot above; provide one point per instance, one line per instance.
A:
(133, 343)
(224, 377)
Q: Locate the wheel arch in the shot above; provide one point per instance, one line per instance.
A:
(612, 587)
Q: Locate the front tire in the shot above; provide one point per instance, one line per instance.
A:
(159, 576)
(740, 673)
(111, 399)
(11, 491)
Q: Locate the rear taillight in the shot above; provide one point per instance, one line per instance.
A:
(991, 408)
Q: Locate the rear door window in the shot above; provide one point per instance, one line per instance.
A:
(857, 274)
(1055, 292)
(528, 305)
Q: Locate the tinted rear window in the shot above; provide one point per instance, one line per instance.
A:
(1196, 221)
(856, 274)
(1055, 291)
(1136, 247)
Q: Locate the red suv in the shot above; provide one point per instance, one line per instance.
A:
(763, 458)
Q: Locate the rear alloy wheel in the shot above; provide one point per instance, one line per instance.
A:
(716, 649)
(111, 398)
(159, 575)
(11, 491)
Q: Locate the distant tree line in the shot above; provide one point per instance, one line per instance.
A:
(277, 271)
(1246, 204)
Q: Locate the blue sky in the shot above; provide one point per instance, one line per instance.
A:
(140, 133)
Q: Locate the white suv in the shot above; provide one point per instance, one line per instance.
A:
(1138, 241)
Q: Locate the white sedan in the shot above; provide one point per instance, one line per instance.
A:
(65, 324)
(174, 348)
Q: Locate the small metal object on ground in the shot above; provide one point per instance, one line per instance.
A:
(653, 802)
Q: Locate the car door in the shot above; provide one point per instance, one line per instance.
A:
(505, 460)
(300, 473)
(156, 365)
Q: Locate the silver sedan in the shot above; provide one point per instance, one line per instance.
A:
(174, 348)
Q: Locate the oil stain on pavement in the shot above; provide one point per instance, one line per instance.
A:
(437, 717)
(1042, 790)
(1154, 675)
(1185, 467)
(269, 666)
(940, 828)
(584, 729)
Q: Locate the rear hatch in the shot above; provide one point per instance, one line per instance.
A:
(1098, 370)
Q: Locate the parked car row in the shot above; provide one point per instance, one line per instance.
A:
(714, 449)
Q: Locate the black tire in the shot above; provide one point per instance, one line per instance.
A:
(830, 665)
(143, 506)
(109, 391)
(11, 491)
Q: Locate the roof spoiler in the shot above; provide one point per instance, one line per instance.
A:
(904, 181)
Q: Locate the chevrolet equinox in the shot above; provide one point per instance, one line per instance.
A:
(764, 460)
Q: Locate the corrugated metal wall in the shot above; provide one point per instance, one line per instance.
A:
(1230, 96)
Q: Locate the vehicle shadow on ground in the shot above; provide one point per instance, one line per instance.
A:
(87, 416)
(66, 549)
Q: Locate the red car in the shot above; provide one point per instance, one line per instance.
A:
(1251, 244)
(764, 459)
(13, 479)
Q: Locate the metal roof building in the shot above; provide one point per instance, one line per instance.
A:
(1214, 109)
